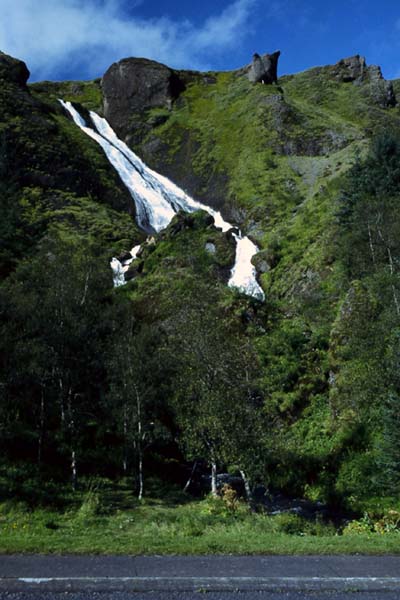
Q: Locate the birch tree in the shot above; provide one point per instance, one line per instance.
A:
(214, 391)
(53, 307)
(133, 376)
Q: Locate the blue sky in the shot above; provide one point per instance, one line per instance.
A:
(79, 39)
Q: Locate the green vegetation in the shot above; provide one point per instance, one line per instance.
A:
(264, 149)
(103, 521)
(87, 93)
(51, 173)
(175, 371)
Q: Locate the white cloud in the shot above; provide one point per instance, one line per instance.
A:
(51, 35)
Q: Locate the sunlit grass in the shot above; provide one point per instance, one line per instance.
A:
(100, 524)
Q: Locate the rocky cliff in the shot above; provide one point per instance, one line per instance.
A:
(133, 86)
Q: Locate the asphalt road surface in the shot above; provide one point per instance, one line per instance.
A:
(52, 577)
(234, 595)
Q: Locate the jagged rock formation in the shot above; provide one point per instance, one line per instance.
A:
(13, 69)
(175, 120)
(354, 69)
(135, 85)
(264, 69)
(381, 90)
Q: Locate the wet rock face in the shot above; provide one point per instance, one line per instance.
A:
(264, 69)
(13, 70)
(134, 85)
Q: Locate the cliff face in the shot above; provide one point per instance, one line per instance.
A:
(134, 86)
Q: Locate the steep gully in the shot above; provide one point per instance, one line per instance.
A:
(157, 200)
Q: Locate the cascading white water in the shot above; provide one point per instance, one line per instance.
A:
(118, 272)
(243, 274)
(157, 200)
(134, 252)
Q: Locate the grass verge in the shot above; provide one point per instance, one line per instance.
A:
(107, 524)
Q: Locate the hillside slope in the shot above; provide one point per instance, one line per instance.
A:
(309, 169)
(51, 175)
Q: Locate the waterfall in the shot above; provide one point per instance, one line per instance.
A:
(157, 200)
(118, 272)
(243, 273)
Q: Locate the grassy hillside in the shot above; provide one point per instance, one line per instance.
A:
(300, 391)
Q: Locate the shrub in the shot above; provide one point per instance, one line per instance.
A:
(364, 525)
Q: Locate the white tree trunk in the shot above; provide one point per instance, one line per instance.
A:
(62, 407)
(140, 443)
(391, 267)
(247, 489)
(74, 472)
(125, 456)
(140, 495)
(86, 287)
(41, 428)
(214, 491)
(71, 427)
(371, 245)
(189, 481)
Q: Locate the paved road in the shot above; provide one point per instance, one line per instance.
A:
(31, 577)
(234, 595)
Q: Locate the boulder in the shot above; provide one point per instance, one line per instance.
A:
(124, 256)
(13, 70)
(264, 69)
(262, 261)
(135, 269)
(210, 248)
(135, 85)
(180, 222)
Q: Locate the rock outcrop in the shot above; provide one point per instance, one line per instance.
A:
(13, 70)
(134, 85)
(264, 69)
(354, 69)
(381, 90)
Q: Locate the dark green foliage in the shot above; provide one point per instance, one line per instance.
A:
(364, 346)
(376, 177)
(389, 460)
(215, 398)
(54, 315)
